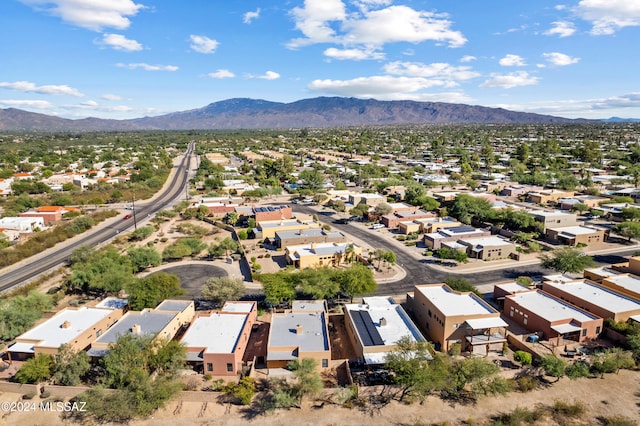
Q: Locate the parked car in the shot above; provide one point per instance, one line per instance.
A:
(376, 226)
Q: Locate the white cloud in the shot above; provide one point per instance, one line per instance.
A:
(609, 16)
(111, 97)
(221, 73)
(373, 25)
(27, 86)
(401, 24)
(10, 103)
(90, 14)
(467, 58)
(585, 108)
(120, 42)
(353, 54)
(561, 29)
(379, 87)
(509, 81)
(443, 71)
(250, 16)
(203, 44)
(148, 67)
(560, 59)
(512, 61)
(269, 75)
(313, 21)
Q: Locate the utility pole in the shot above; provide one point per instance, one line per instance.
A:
(133, 208)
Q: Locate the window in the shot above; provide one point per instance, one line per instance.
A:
(229, 367)
(98, 333)
(584, 332)
(209, 366)
(325, 363)
(598, 330)
(526, 320)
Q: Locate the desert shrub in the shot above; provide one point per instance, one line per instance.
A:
(562, 409)
(523, 357)
(526, 383)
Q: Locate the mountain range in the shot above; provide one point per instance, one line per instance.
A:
(244, 113)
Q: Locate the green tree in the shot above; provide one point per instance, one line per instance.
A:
(318, 284)
(461, 284)
(382, 209)
(567, 260)
(628, 230)
(232, 218)
(313, 180)
(413, 373)
(149, 291)
(35, 369)
(277, 288)
(222, 289)
(177, 250)
(553, 366)
(309, 382)
(356, 281)
(142, 258)
(70, 366)
(228, 245)
(141, 233)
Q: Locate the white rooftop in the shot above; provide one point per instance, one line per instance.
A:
(549, 307)
(218, 333)
(313, 336)
(628, 282)
(52, 333)
(452, 303)
(603, 271)
(512, 287)
(596, 295)
(242, 307)
(486, 241)
(398, 324)
(576, 230)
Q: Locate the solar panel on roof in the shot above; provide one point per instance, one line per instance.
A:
(366, 329)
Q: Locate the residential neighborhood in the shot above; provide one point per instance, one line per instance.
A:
(270, 262)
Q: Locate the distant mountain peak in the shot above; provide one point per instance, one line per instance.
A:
(246, 113)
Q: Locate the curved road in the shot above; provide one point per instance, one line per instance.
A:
(419, 272)
(56, 256)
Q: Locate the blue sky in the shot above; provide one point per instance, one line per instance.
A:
(129, 58)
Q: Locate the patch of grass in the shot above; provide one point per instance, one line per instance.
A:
(520, 416)
(617, 420)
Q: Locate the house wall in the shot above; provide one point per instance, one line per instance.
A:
(440, 328)
(622, 290)
(82, 341)
(598, 236)
(436, 243)
(598, 310)
(535, 323)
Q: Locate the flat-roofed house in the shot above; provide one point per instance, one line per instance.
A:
(550, 317)
(316, 255)
(300, 333)
(488, 248)
(554, 219)
(434, 240)
(574, 235)
(592, 297)
(600, 273)
(268, 228)
(392, 220)
(370, 200)
(626, 284)
(307, 236)
(75, 327)
(272, 213)
(548, 195)
(216, 341)
(448, 316)
(375, 326)
(163, 322)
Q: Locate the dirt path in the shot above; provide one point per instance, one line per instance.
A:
(616, 394)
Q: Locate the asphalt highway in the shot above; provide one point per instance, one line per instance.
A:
(15, 275)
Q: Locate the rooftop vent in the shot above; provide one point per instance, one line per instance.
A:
(65, 324)
(383, 322)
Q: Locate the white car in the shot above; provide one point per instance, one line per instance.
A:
(376, 226)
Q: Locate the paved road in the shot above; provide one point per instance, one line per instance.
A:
(419, 272)
(52, 258)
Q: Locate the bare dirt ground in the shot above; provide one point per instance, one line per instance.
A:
(616, 394)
